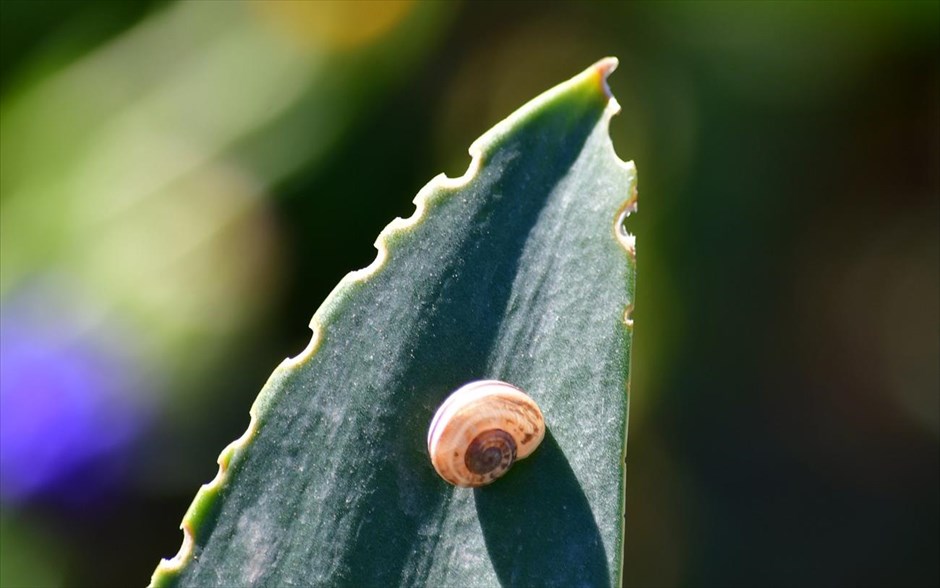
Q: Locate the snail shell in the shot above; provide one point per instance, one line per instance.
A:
(481, 430)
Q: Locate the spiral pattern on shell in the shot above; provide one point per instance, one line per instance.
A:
(481, 430)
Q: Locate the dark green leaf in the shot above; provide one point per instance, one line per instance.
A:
(518, 271)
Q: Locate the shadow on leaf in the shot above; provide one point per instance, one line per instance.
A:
(538, 525)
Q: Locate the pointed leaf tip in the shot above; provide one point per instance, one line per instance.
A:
(603, 69)
(579, 94)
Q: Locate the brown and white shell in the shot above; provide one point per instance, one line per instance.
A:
(481, 430)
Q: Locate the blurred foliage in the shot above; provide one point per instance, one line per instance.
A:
(184, 183)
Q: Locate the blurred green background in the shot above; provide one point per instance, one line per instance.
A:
(183, 184)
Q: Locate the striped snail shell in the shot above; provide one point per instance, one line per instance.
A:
(481, 430)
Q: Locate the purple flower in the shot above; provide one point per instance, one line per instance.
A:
(70, 404)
